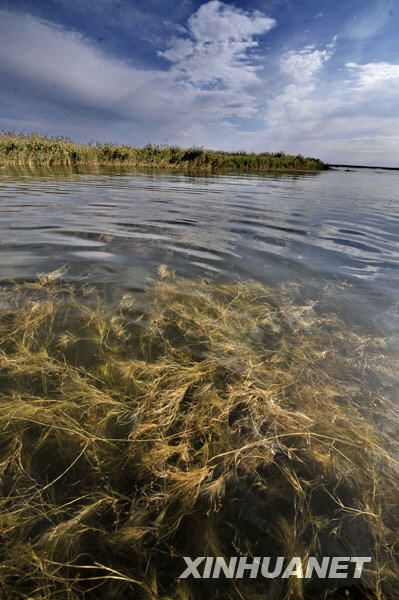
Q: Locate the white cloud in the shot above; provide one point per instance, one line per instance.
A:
(179, 50)
(61, 65)
(373, 74)
(303, 64)
(218, 22)
(351, 119)
(216, 54)
(209, 82)
(57, 81)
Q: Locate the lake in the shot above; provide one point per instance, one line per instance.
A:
(336, 232)
(214, 374)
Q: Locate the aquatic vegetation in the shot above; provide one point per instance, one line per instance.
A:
(28, 149)
(225, 419)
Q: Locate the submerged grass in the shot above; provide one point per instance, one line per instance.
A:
(20, 149)
(224, 420)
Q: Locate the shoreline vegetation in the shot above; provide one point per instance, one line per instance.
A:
(35, 149)
(221, 420)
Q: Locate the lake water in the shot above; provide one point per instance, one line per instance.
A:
(335, 232)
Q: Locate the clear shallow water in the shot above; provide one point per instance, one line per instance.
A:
(336, 232)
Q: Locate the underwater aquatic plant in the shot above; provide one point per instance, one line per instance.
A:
(224, 419)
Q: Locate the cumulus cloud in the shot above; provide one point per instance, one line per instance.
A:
(303, 64)
(218, 22)
(300, 68)
(215, 54)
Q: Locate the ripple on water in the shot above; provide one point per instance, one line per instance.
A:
(328, 226)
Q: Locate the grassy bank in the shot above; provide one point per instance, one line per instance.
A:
(224, 420)
(31, 149)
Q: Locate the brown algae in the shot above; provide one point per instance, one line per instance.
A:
(224, 420)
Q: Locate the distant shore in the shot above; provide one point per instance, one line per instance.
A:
(31, 149)
(333, 166)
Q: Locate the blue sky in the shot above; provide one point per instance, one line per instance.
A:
(316, 77)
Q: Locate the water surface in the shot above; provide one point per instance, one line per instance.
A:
(332, 236)
(336, 232)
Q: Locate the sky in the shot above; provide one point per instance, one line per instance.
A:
(316, 77)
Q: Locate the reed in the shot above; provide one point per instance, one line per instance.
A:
(21, 149)
(225, 419)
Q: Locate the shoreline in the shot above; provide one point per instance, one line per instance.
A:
(336, 166)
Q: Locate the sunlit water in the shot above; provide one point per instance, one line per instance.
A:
(335, 232)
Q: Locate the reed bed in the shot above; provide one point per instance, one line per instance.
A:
(21, 149)
(223, 420)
